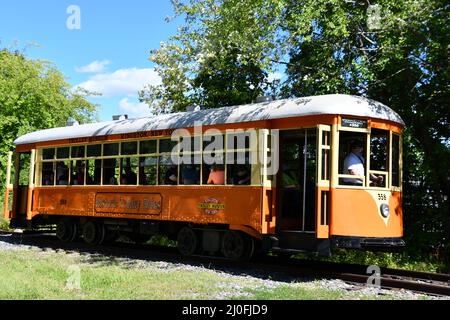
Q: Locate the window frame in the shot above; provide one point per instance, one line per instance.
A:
(366, 178)
(258, 175)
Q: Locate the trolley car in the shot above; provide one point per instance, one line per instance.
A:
(228, 181)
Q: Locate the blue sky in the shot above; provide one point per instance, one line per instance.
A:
(110, 51)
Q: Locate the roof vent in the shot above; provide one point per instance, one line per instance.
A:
(264, 99)
(120, 117)
(72, 122)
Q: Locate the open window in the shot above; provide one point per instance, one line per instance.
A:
(352, 158)
(369, 157)
(379, 159)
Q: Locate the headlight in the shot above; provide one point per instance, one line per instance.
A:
(384, 209)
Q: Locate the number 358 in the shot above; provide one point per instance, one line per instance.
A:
(382, 197)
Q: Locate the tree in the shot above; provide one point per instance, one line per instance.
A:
(34, 95)
(402, 62)
(220, 57)
(395, 52)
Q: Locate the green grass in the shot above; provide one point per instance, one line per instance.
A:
(160, 240)
(39, 275)
(290, 292)
(4, 224)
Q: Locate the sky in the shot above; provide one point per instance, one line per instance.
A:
(100, 45)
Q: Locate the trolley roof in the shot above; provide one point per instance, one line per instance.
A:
(287, 108)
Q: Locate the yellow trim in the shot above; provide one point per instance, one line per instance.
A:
(320, 147)
(31, 185)
(367, 164)
(335, 156)
(8, 171)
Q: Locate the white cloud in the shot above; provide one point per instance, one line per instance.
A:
(121, 82)
(134, 110)
(94, 67)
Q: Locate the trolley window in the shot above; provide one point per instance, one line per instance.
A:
(379, 158)
(396, 180)
(129, 148)
(111, 149)
(94, 150)
(48, 154)
(352, 158)
(62, 153)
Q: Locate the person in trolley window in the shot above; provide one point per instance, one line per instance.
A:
(354, 165)
(217, 175)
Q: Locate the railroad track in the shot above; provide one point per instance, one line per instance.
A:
(416, 284)
(417, 281)
(394, 279)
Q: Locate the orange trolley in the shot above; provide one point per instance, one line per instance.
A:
(229, 181)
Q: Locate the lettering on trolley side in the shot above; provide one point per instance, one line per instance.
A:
(211, 206)
(133, 135)
(137, 135)
(89, 139)
(128, 203)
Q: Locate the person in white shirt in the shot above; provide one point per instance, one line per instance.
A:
(354, 165)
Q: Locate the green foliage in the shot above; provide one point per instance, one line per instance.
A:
(400, 260)
(34, 95)
(4, 224)
(220, 57)
(159, 240)
(403, 63)
(395, 52)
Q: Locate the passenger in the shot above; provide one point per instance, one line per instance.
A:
(62, 173)
(142, 177)
(217, 175)
(242, 176)
(129, 177)
(109, 172)
(48, 179)
(171, 176)
(354, 165)
(79, 177)
(190, 175)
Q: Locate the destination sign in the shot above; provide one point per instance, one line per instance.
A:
(131, 203)
(88, 139)
(354, 123)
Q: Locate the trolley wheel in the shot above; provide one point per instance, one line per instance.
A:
(187, 241)
(93, 233)
(66, 230)
(237, 245)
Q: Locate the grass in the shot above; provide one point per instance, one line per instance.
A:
(4, 224)
(39, 275)
(290, 292)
